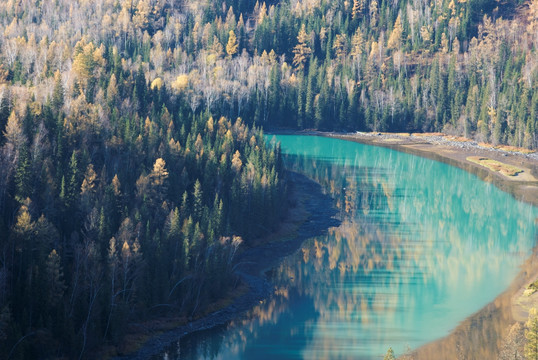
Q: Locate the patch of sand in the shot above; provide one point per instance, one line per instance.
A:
(509, 171)
(522, 303)
(391, 140)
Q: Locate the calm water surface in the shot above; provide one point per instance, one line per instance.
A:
(422, 245)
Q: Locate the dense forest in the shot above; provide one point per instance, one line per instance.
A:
(132, 158)
(465, 67)
(118, 202)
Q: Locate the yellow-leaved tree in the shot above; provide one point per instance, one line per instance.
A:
(531, 348)
(232, 45)
(396, 35)
(301, 51)
(358, 8)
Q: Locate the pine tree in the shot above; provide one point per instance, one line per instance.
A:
(311, 90)
(140, 89)
(6, 107)
(58, 92)
(23, 176)
(73, 185)
(103, 226)
(63, 190)
(54, 277)
(197, 201)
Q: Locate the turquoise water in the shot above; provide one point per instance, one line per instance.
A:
(422, 245)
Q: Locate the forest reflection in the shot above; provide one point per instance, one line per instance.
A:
(416, 253)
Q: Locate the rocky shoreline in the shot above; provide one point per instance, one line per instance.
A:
(456, 151)
(253, 264)
(438, 139)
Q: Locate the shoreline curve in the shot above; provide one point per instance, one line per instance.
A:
(482, 334)
(253, 264)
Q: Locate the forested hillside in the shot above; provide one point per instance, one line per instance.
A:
(118, 203)
(465, 67)
(131, 167)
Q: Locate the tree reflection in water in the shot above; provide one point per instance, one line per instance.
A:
(421, 246)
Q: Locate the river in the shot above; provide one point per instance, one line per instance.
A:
(422, 245)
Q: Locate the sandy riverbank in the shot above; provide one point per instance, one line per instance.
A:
(486, 334)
